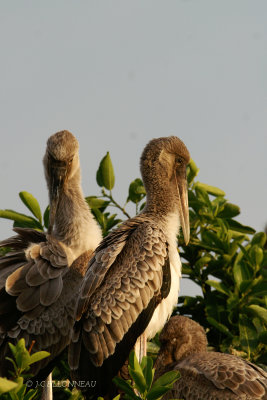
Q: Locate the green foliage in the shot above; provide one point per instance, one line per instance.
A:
(7, 385)
(26, 221)
(229, 267)
(142, 386)
(98, 207)
(21, 361)
(105, 174)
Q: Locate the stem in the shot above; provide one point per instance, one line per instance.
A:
(110, 197)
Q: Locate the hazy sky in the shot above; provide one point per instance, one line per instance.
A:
(118, 73)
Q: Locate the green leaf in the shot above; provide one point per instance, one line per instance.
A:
(152, 348)
(210, 189)
(259, 239)
(218, 286)
(260, 288)
(6, 385)
(247, 333)
(229, 211)
(156, 392)
(13, 349)
(256, 254)
(95, 202)
(136, 191)
(203, 196)
(21, 219)
(244, 286)
(258, 311)
(112, 221)
(148, 371)
(220, 327)
(105, 173)
(133, 362)
(100, 217)
(211, 237)
(32, 204)
(192, 171)
(20, 388)
(22, 355)
(40, 355)
(236, 226)
(241, 273)
(167, 379)
(163, 385)
(126, 387)
(46, 217)
(30, 395)
(136, 373)
(138, 379)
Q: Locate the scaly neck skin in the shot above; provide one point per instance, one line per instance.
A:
(74, 224)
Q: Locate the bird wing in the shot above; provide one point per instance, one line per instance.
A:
(30, 275)
(124, 283)
(226, 372)
(34, 302)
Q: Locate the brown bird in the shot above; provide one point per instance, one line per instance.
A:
(41, 276)
(205, 375)
(132, 282)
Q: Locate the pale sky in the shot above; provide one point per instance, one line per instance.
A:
(119, 73)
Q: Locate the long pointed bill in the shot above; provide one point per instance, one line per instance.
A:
(183, 207)
(57, 178)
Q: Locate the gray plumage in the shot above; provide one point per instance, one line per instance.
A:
(205, 375)
(41, 276)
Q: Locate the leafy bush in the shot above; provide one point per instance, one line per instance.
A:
(16, 389)
(142, 386)
(230, 267)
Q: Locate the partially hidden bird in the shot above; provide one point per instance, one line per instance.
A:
(41, 276)
(132, 282)
(205, 375)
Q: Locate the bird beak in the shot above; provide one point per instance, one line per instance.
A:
(57, 178)
(183, 205)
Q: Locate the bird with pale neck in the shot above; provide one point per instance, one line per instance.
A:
(41, 277)
(132, 282)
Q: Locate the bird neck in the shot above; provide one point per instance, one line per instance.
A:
(74, 224)
(161, 201)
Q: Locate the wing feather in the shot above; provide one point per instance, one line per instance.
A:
(38, 282)
(29, 284)
(223, 373)
(120, 284)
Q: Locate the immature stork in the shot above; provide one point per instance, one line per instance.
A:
(205, 375)
(41, 277)
(132, 282)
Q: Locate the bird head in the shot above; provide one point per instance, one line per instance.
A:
(180, 337)
(61, 163)
(163, 167)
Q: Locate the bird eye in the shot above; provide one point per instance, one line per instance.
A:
(70, 161)
(179, 161)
